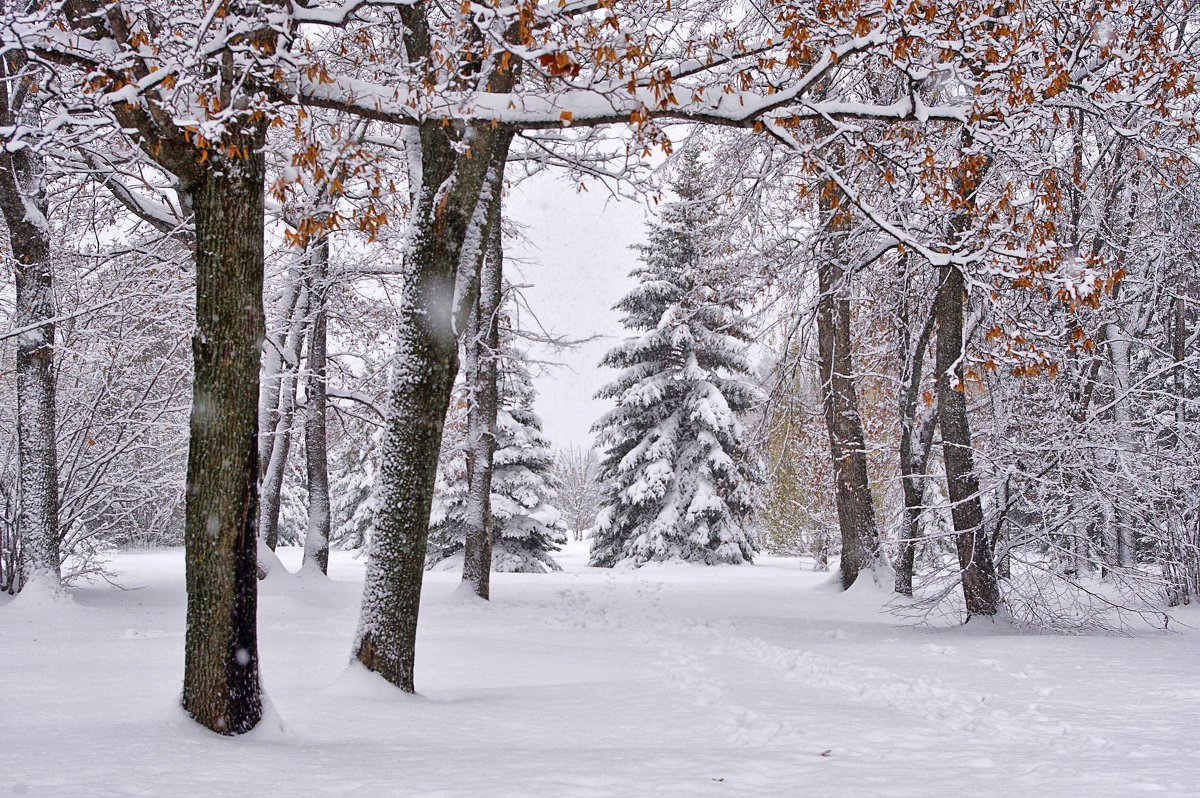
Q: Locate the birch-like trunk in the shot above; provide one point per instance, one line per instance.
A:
(916, 443)
(273, 368)
(1118, 352)
(483, 336)
(279, 440)
(316, 450)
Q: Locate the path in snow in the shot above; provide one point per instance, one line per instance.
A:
(683, 681)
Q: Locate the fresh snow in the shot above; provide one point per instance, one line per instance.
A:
(676, 680)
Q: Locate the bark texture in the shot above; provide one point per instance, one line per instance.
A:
(221, 683)
(981, 587)
(24, 205)
(1120, 551)
(441, 275)
(483, 337)
(855, 507)
(316, 449)
(276, 444)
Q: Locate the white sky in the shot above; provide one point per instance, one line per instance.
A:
(576, 262)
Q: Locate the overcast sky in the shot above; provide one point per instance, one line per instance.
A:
(576, 262)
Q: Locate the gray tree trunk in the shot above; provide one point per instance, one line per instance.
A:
(981, 587)
(221, 684)
(24, 204)
(279, 438)
(483, 336)
(316, 450)
(274, 359)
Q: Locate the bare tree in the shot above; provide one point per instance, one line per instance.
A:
(579, 489)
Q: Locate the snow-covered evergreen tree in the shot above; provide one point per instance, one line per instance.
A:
(527, 526)
(679, 477)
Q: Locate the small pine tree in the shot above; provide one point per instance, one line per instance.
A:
(679, 479)
(526, 525)
(354, 498)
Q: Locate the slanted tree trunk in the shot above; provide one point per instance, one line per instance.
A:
(316, 451)
(981, 587)
(25, 206)
(277, 395)
(483, 336)
(273, 368)
(855, 508)
(440, 275)
(279, 437)
(221, 684)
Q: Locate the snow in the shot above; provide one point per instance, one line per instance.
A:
(667, 680)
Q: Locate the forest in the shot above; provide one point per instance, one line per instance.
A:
(910, 350)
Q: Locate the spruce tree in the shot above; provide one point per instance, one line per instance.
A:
(679, 477)
(526, 525)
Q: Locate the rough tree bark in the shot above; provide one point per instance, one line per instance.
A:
(24, 204)
(981, 587)
(221, 685)
(483, 336)
(224, 180)
(316, 450)
(440, 274)
(855, 508)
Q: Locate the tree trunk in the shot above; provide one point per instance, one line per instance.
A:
(1181, 563)
(981, 588)
(439, 275)
(915, 443)
(279, 443)
(221, 685)
(273, 369)
(316, 452)
(37, 460)
(1118, 351)
(24, 204)
(1178, 354)
(855, 508)
(484, 337)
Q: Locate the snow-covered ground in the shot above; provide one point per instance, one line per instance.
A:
(686, 681)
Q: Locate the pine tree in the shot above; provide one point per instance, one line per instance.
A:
(354, 496)
(527, 526)
(679, 479)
